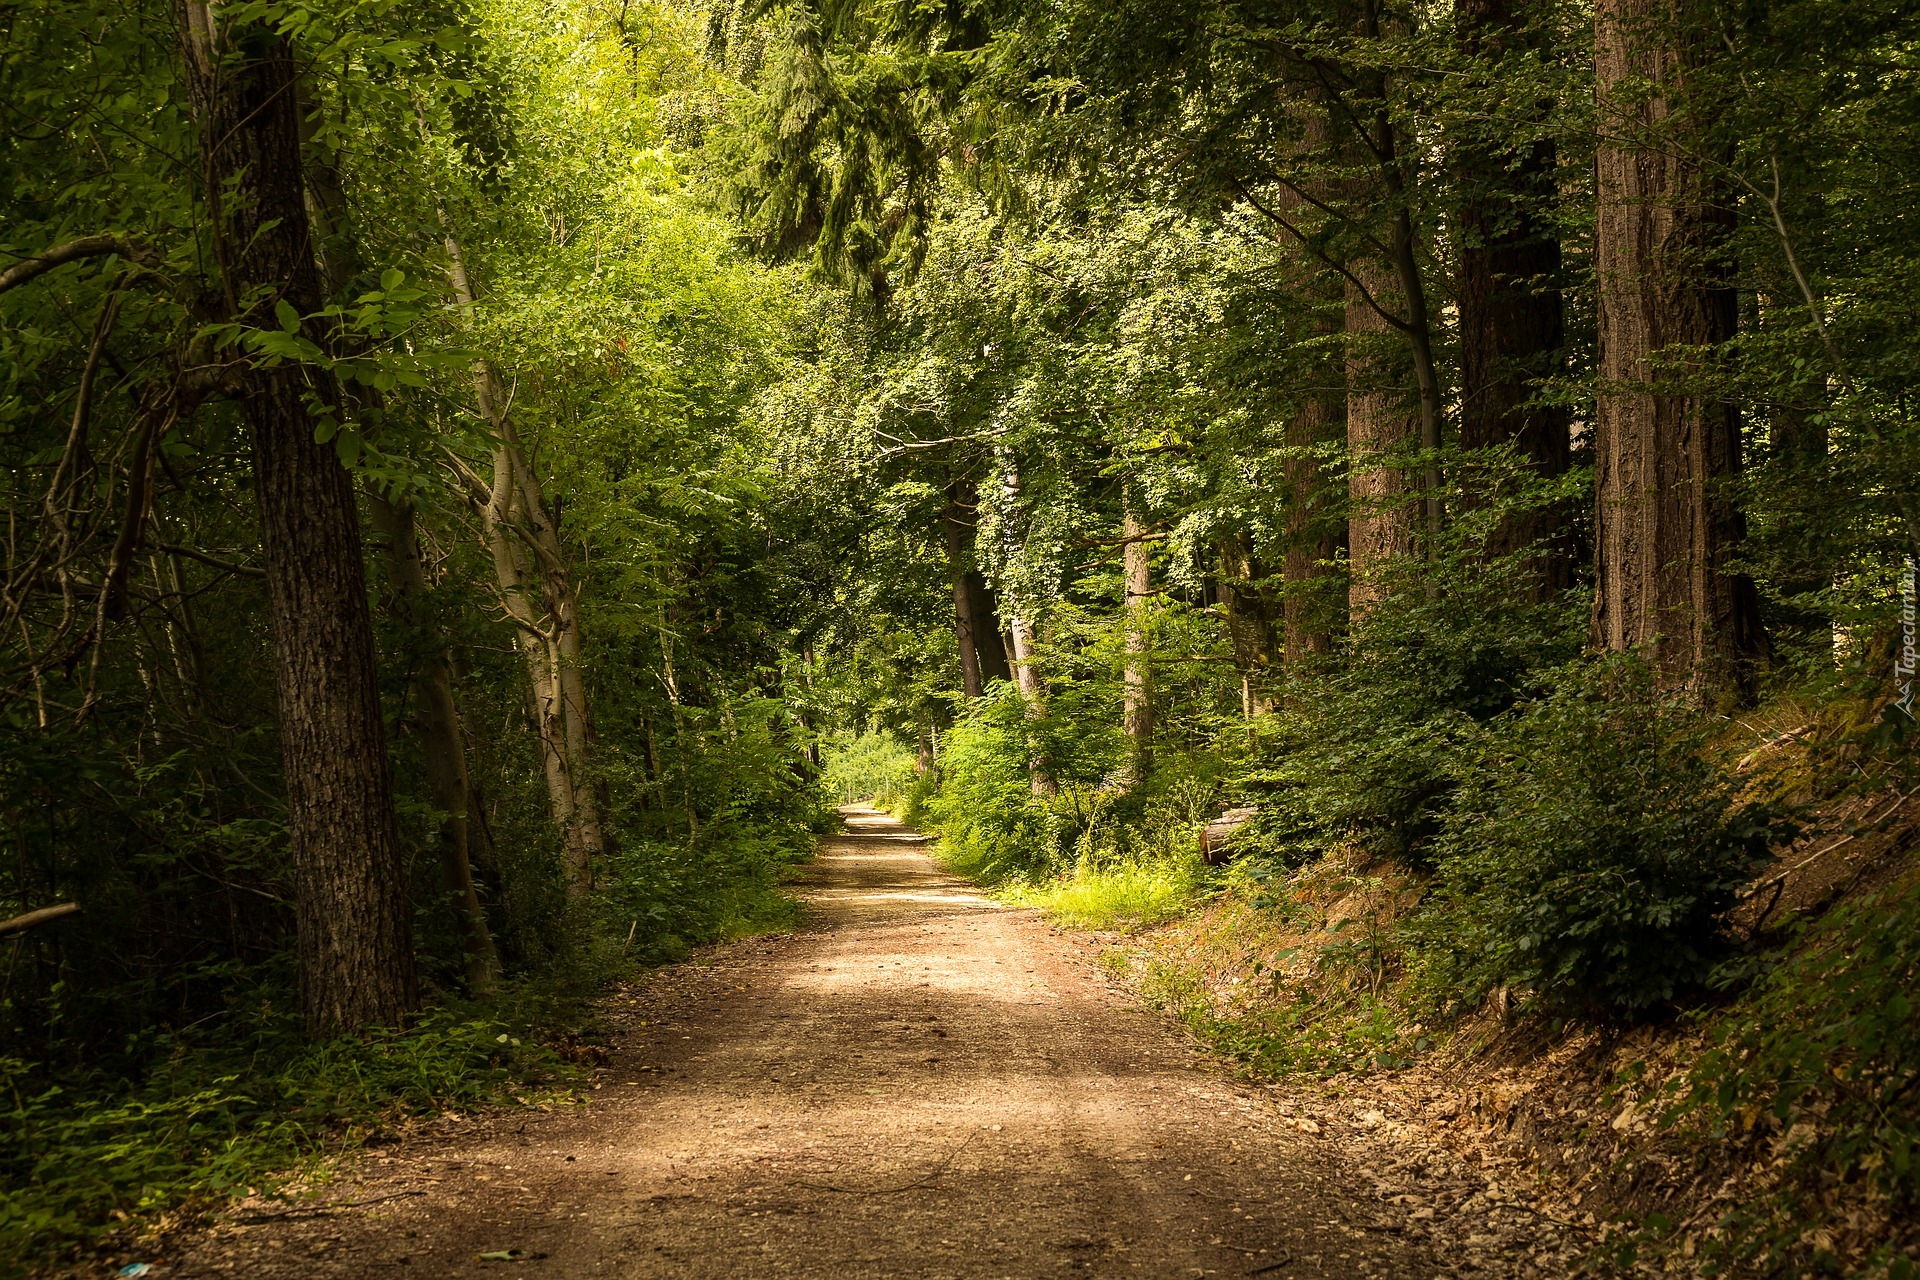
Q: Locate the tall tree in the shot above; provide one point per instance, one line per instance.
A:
(529, 563)
(435, 720)
(1380, 522)
(356, 950)
(1665, 445)
(1512, 327)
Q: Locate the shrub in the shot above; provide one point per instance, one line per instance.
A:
(1589, 853)
(992, 827)
(1368, 749)
(213, 1120)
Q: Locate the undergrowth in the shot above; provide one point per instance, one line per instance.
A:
(177, 1122)
(83, 1159)
(1124, 896)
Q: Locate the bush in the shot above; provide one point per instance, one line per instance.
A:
(1128, 895)
(992, 827)
(1367, 750)
(1589, 853)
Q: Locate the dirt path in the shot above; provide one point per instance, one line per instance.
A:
(920, 1083)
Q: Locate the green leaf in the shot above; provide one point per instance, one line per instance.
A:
(289, 318)
(392, 278)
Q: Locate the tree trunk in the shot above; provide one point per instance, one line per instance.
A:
(1315, 535)
(1314, 610)
(356, 948)
(1033, 692)
(957, 526)
(1250, 627)
(1512, 331)
(520, 529)
(994, 647)
(1664, 451)
(563, 610)
(1138, 708)
(436, 722)
(1379, 421)
(1404, 264)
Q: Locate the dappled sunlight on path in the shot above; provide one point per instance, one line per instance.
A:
(921, 1082)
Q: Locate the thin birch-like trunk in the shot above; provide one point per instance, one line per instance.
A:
(1138, 703)
(526, 550)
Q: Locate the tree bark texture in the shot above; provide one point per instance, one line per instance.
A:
(1380, 421)
(436, 724)
(356, 948)
(1316, 536)
(1137, 716)
(1512, 326)
(435, 721)
(1664, 447)
(1314, 609)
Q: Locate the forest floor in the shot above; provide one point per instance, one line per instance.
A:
(919, 1082)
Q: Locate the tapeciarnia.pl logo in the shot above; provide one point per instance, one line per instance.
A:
(1903, 662)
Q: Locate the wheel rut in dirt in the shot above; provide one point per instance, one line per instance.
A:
(920, 1082)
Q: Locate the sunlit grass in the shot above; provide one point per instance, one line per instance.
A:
(1127, 896)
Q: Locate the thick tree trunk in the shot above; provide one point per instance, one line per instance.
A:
(1379, 421)
(1512, 330)
(1138, 677)
(1315, 535)
(356, 949)
(436, 723)
(1663, 450)
(993, 646)
(1314, 610)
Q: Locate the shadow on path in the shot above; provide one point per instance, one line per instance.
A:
(920, 1083)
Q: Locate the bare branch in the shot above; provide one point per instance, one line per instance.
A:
(45, 915)
(73, 251)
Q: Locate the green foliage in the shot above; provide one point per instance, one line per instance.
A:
(1819, 1061)
(1590, 853)
(991, 825)
(1124, 895)
(869, 766)
(1371, 747)
(216, 1119)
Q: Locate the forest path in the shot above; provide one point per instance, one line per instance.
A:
(919, 1082)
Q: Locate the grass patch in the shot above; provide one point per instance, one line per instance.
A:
(1127, 896)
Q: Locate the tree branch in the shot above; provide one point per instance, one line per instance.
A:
(73, 251)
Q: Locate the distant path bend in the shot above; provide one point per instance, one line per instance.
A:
(920, 1083)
